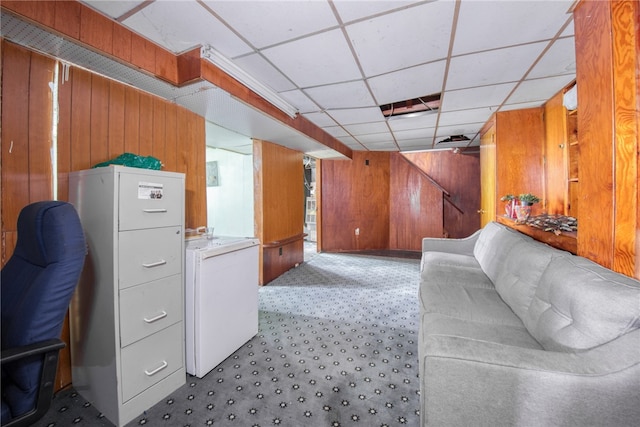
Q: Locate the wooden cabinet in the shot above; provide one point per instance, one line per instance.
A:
(127, 316)
(488, 174)
(511, 148)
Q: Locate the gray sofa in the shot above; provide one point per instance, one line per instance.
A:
(516, 333)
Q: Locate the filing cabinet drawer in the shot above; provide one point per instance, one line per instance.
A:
(148, 361)
(150, 201)
(146, 255)
(148, 308)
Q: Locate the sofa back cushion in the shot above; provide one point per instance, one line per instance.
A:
(514, 262)
(580, 305)
(492, 247)
(522, 268)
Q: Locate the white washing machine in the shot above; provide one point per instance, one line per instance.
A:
(221, 299)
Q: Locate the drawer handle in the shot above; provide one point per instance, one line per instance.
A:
(158, 317)
(158, 369)
(154, 210)
(154, 264)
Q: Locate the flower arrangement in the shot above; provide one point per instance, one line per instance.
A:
(528, 199)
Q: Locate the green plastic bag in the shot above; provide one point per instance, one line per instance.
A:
(134, 161)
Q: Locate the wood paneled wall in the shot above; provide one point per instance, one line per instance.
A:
(519, 154)
(278, 207)
(607, 68)
(392, 203)
(98, 120)
(459, 175)
(416, 206)
(555, 153)
(355, 195)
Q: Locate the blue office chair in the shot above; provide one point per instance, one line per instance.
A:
(37, 284)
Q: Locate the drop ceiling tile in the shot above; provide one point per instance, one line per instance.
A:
(521, 106)
(300, 100)
(315, 60)
(179, 26)
(417, 144)
(375, 138)
(341, 95)
(320, 119)
(352, 116)
(350, 10)
(381, 49)
(367, 128)
(494, 66)
(266, 23)
(414, 134)
(335, 131)
(382, 146)
(407, 84)
(486, 25)
(560, 59)
(539, 89)
(260, 69)
(469, 130)
(465, 116)
(113, 9)
(485, 96)
(350, 142)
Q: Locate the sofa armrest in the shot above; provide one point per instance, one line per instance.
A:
(462, 246)
(494, 384)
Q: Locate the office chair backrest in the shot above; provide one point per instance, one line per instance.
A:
(37, 285)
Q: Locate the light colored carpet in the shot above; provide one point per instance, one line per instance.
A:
(337, 346)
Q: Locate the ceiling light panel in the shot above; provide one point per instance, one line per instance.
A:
(405, 84)
(341, 95)
(182, 25)
(316, 60)
(490, 67)
(492, 24)
(419, 122)
(427, 40)
(255, 19)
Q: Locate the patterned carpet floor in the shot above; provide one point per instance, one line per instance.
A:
(337, 346)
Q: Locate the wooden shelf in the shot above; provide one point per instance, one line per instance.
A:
(565, 241)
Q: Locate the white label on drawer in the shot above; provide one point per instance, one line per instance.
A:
(150, 190)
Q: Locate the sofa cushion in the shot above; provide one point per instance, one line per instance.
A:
(580, 305)
(522, 268)
(444, 258)
(494, 244)
(440, 324)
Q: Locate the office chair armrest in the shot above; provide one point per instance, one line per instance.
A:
(17, 353)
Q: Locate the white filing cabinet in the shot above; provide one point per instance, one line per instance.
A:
(127, 315)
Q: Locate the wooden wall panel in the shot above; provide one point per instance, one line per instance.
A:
(278, 207)
(519, 148)
(26, 130)
(355, 195)
(416, 206)
(459, 175)
(607, 63)
(488, 208)
(555, 153)
(98, 118)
